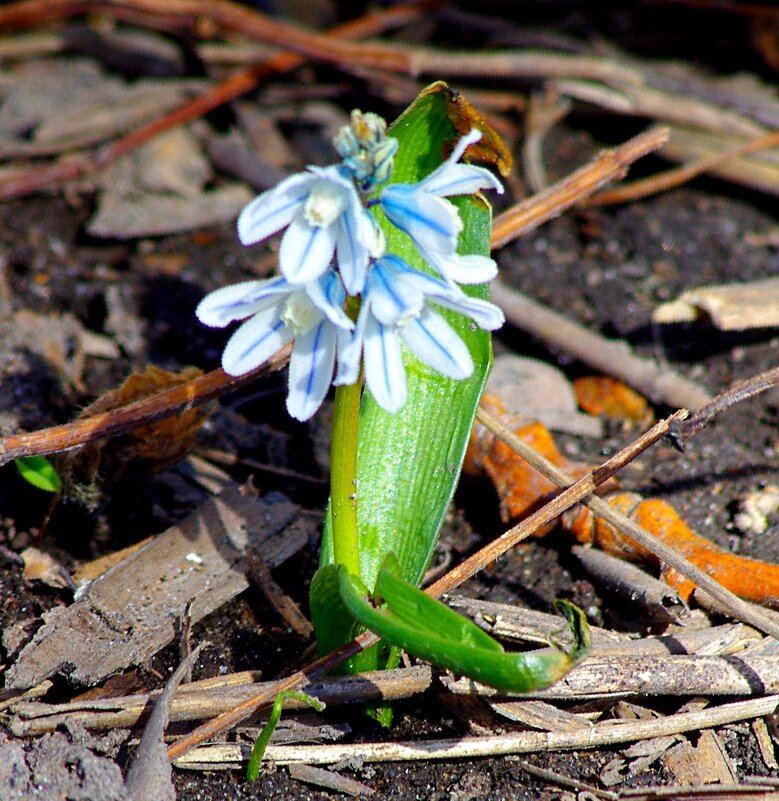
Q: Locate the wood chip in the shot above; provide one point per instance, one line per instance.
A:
(540, 715)
(729, 307)
(701, 762)
(329, 780)
(129, 613)
(536, 391)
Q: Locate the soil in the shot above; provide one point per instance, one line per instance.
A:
(607, 268)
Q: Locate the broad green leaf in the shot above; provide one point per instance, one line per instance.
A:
(39, 472)
(409, 462)
(423, 626)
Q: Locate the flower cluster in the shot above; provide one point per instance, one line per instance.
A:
(333, 249)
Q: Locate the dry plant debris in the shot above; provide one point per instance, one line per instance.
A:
(174, 180)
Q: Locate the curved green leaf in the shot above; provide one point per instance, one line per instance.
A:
(423, 626)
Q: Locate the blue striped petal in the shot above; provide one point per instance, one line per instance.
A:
(239, 301)
(255, 342)
(311, 370)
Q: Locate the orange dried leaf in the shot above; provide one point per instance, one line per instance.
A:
(522, 489)
(490, 149)
(606, 396)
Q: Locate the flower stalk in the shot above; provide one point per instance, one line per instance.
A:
(343, 477)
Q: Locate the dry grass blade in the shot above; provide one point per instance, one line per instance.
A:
(150, 776)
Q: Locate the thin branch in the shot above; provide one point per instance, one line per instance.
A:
(671, 179)
(601, 734)
(27, 181)
(611, 356)
(742, 390)
(738, 608)
(117, 421)
(609, 165)
(574, 492)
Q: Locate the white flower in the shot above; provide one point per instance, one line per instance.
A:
(278, 312)
(324, 216)
(395, 306)
(433, 223)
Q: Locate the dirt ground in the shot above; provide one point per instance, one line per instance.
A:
(607, 268)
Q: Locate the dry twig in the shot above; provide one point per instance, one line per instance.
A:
(606, 733)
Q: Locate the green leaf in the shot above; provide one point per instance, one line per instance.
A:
(261, 743)
(409, 462)
(39, 472)
(421, 625)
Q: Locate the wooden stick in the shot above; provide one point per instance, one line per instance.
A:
(738, 608)
(601, 734)
(612, 356)
(27, 181)
(609, 165)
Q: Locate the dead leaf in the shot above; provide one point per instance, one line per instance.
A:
(160, 189)
(40, 566)
(56, 104)
(603, 395)
(534, 391)
(152, 447)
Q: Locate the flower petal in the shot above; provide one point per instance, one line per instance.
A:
(255, 342)
(350, 349)
(306, 251)
(384, 371)
(452, 178)
(353, 245)
(273, 210)
(433, 223)
(432, 340)
(238, 301)
(471, 138)
(471, 269)
(391, 298)
(459, 179)
(311, 370)
(485, 314)
(328, 295)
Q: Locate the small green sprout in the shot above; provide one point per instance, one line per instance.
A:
(261, 744)
(39, 471)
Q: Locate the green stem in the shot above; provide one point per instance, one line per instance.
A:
(343, 477)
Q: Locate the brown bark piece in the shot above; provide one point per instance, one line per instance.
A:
(704, 762)
(130, 612)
